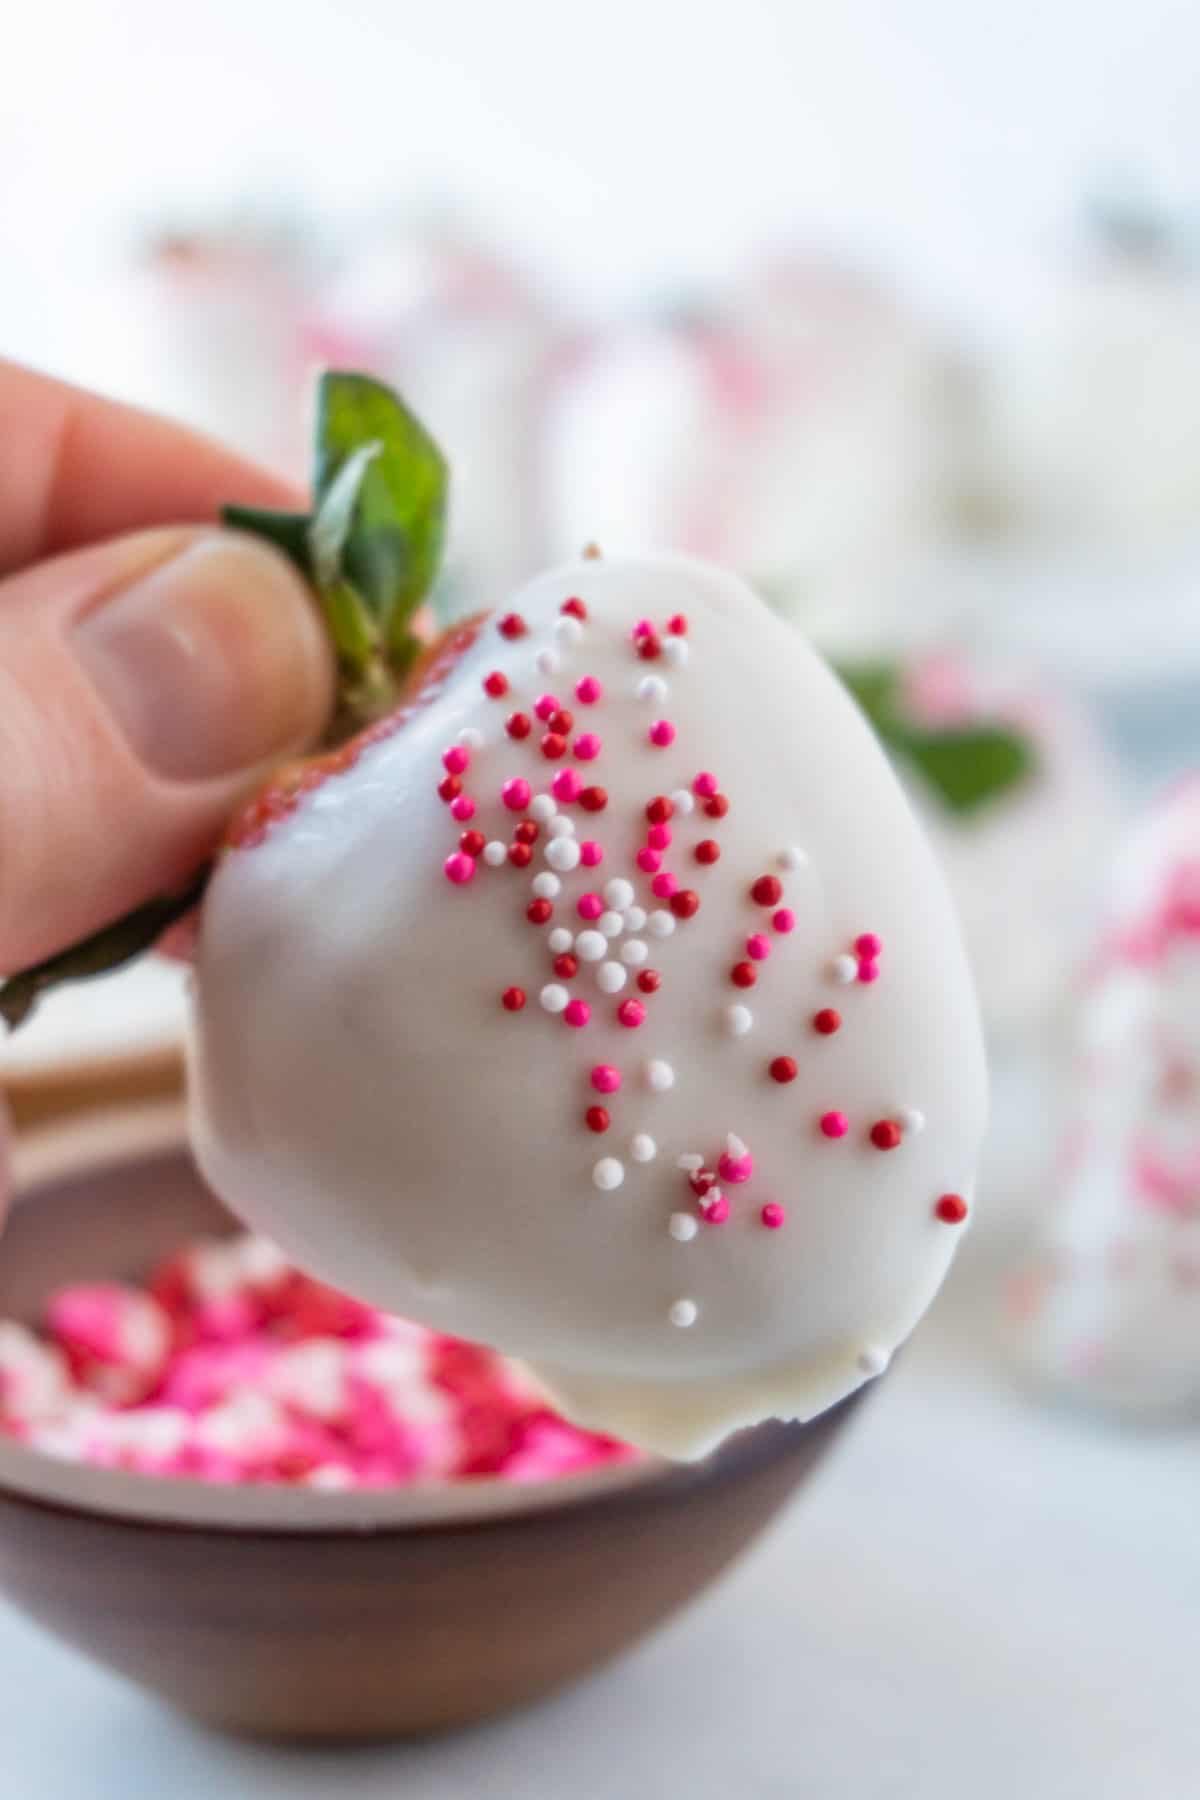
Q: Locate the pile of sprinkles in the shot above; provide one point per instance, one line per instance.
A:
(605, 943)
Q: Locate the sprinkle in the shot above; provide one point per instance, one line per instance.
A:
(546, 662)
(542, 809)
(591, 946)
(685, 904)
(574, 608)
(843, 969)
(767, 890)
(496, 684)
(527, 832)
(545, 706)
(653, 689)
(872, 1359)
(868, 945)
(611, 924)
(562, 722)
(610, 978)
(553, 997)
(717, 807)
(495, 853)
(608, 1174)
(649, 981)
(605, 1078)
(588, 690)
(462, 809)
(676, 653)
(634, 952)
(885, 1134)
(834, 1124)
(472, 843)
(649, 648)
(827, 1021)
(591, 553)
(773, 1215)
(911, 1119)
(635, 918)
(649, 861)
(520, 855)
(545, 886)
(587, 746)
(736, 1166)
(512, 625)
(631, 1013)
(589, 906)
(515, 794)
(951, 1209)
(660, 1076)
(683, 802)
(683, 1313)
(705, 785)
(553, 746)
(867, 970)
(566, 966)
(791, 858)
(561, 826)
(642, 629)
(702, 1181)
(783, 1068)
(664, 886)
(568, 631)
(566, 786)
(660, 924)
(743, 974)
(513, 999)
(784, 920)
(470, 738)
(619, 893)
(456, 760)
(659, 837)
(735, 1145)
(677, 625)
(707, 851)
(559, 940)
(682, 1227)
(593, 799)
(659, 810)
(459, 868)
(662, 734)
(597, 1118)
(758, 946)
(643, 1147)
(449, 788)
(739, 1019)
(715, 1209)
(562, 853)
(689, 1162)
(590, 853)
(577, 1013)
(538, 911)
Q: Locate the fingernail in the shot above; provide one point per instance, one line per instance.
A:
(211, 661)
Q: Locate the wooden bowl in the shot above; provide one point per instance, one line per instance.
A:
(306, 1614)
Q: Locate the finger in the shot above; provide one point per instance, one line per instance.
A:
(144, 685)
(77, 468)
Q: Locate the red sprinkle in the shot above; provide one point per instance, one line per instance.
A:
(885, 1134)
(518, 725)
(449, 788)
(649, 980)
(707, 851)
(827, 1021)
(951, 1209)
(677, 625)
(471, 843)
(660, 809)
(598, 1118)
(717, 807)
(528, 831)
(574, 608)
(495, 684)
(743, 974)
(513, 999)
(553, 746)
(538, 911)
(783, 1069)
(561, 721)
(512, 625)
(649, 647)
(520, 855)
(631, 1013)
(685, 904)
(701, 1181)
(773, 1215)
(767, 890)
(566, 967)
(593, 799)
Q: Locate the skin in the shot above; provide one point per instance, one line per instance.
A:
(98, 496)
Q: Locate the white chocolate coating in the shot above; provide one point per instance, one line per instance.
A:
(361, 1094)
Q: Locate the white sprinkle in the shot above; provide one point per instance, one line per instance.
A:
(661, 923)
(635, 918)
(684, 1313)
(676, 652)
(611, 924)
(560, 940)
(619, 893)
(873, 1359)
(608, 1174)
(683, 801)
(568, 630)
(683, 1227)
(561, 826)
(911, 1119)
(739, 1019)
(470, 738)
(661, 1076)
(546, 662)
(634, 951)
(542, 807)
(791, 858)
(562, 853)
(689, 1162)
(843, 969)
(592, 946)
(553, 997)
(734, 1145)
(546, 886)
(652, 688)
(643, 1148)
(495, 853)
(610, 978)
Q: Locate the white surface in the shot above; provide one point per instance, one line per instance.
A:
(979, 1600)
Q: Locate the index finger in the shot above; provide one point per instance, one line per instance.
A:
(75, 467)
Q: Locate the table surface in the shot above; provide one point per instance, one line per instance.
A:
(980, 1597)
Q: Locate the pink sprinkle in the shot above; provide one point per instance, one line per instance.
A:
(867, 944)
(516, 794)
(589, 906)
(463, 808)
(868, 970)
(716, 1211)
(664, 885)
(588, 690)
(784, 919)
(576, 1013)
(648, 860)
(587, 746)
(606, 1079)
(773, 1215)
(834, 1124)
(590, 853)
(659, 837)
(758, 946)
(459, 868)
(544, 705)
(566, 785)
(631, 1013)
(735, 1169)
(643, 628)
(677, 625)
(705, 785)
(662, 733)
(455, 760)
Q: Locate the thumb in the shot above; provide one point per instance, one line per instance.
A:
(145, 684)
